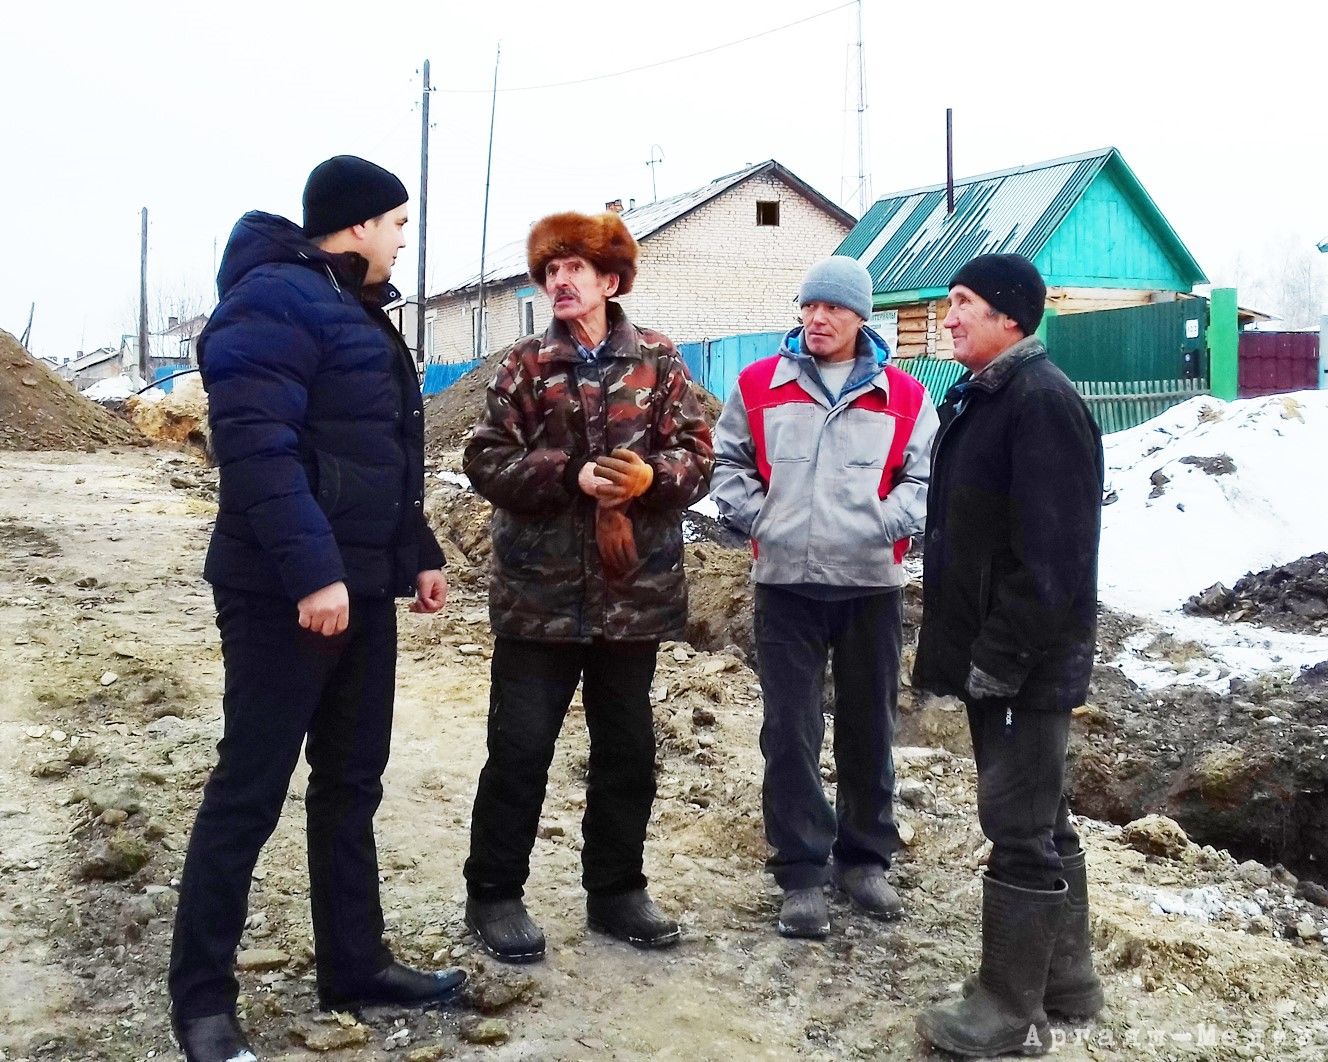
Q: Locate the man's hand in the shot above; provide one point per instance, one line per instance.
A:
(982, 686)
(589, 482)
(430, 592)
(326, 611)
(627, 474)
(616, 542)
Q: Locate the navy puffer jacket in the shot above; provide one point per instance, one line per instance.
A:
(316, 421)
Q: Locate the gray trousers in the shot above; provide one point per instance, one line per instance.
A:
(794, 636)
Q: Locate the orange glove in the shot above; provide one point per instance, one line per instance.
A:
(628, 476)
(617, 544)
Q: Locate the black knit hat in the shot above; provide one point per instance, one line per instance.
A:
(345, 191)
(1010, 283)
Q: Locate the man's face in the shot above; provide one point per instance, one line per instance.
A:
(383, 238)
(576, 288)
(980, 333)
(830, 331)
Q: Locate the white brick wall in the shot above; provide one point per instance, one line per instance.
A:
(713, 273)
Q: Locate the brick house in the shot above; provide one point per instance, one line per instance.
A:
(721, 259)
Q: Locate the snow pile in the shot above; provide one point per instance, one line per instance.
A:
(112, 389)
(1209, 491)
(1203, 904)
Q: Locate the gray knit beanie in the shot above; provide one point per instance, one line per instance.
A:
(841, 281)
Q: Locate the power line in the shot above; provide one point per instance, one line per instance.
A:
(661, 62)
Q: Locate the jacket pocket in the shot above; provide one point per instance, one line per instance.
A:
(329, 481)
(790, 432)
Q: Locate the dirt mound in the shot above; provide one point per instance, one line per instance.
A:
(179, 417)
(40, 411)
(1290, 597)
(450, 414)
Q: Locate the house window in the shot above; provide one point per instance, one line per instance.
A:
(525, 309)
(479, 332)
(767, 212)
(431, 337)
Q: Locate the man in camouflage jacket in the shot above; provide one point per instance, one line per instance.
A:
(590, 446)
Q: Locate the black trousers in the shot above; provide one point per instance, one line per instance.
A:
(862, 637)
(1020, 755)
(286, 686)
(532, 684)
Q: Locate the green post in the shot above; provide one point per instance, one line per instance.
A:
(1223, 343)
(1045, 326)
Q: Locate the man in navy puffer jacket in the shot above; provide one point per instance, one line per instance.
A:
(317, 426)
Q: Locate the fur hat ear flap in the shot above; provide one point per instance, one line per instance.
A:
(603, 240)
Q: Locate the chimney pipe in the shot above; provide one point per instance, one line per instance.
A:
(949, 160)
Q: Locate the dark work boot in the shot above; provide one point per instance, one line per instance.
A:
(212, 1038)
(1004, 1014)
(1073, 988)
(633, 917)
(866, 887)
(395, 985)
(804, 915)
(504, 930)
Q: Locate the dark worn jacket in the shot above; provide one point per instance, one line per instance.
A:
(316, 423)
(1013, 521)
(547, 412)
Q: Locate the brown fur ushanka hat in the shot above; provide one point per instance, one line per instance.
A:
(601, 239)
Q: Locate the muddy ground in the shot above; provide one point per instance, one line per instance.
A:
(109, 712)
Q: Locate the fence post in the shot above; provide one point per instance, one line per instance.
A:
(1223, 344)
(1045, 327)
(1323, 353)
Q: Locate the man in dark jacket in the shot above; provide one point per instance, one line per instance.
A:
(317, 427)
(1009, 623)
(590, 446)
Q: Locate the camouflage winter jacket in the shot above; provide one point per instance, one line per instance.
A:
(547, 412)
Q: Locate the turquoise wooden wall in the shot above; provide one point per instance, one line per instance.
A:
(1105, 242)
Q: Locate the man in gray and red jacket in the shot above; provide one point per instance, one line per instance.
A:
(822, 456)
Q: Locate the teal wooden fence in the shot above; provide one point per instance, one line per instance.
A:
(1120, 404)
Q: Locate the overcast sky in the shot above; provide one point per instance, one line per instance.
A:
(201, 112)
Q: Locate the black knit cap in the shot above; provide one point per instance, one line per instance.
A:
(345, 191)
(1010, 283)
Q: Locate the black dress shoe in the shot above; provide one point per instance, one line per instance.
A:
(633, 917)
(212, 1038)
(396, 985)
(505, 930)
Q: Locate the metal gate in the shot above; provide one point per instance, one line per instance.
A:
(1159, 341)
(1272, 363)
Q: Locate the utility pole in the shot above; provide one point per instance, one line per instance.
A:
(652, 162)
(864, 181)
(144, 366)
(420, 295)
(481, 329)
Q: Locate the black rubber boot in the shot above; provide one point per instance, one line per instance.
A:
(396, 985)
(1073, 988)
(1004, 1015)
(633, 917)
(505, 930)
(212, 1038)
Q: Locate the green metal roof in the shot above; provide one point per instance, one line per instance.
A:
(908, 242)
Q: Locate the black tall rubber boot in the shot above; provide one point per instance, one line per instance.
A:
(1004, 1015)
(1073, 988)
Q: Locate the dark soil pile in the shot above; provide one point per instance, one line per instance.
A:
(450, 414)
(40, 411)
(1290, 597)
